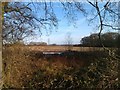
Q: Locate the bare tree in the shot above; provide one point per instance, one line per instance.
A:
(68, 41)
(24, 20)
(107, 15)
(20, 20)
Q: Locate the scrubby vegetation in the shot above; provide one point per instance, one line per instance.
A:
(24, 68)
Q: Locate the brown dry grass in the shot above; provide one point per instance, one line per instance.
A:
(25, 66)
(63, 48)
(16, 65)
(19, 64)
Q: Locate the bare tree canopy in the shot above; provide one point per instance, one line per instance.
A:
(24, 19)
(20, 20)
(106, 14)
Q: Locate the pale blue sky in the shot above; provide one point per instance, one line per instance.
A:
(57, 36)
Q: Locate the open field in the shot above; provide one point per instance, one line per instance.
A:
(63, 48)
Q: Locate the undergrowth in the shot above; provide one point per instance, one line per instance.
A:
(23, 68)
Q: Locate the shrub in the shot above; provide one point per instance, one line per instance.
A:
(16, 65)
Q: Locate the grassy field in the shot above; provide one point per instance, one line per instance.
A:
(63, 48)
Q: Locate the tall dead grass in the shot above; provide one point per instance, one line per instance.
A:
(16, 65)
(20, 64)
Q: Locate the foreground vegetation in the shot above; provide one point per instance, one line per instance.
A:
(27, 69)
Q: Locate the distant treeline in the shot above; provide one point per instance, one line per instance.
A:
(109, 39)
(37, 43)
